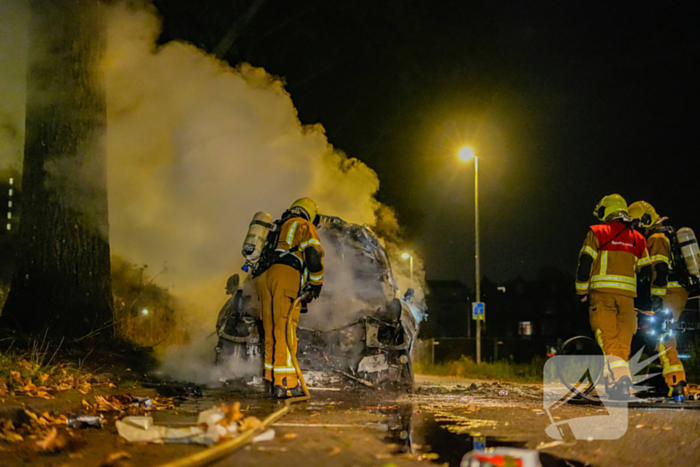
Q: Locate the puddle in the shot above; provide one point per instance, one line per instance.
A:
(421, 433)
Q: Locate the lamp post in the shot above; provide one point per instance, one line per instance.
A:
(409, 257)
(466, 154)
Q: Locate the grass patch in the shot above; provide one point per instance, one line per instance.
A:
(36, 373)
(501, 370)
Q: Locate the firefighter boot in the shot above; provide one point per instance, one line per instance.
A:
(620, 391)
(678, 392)
(281, 393)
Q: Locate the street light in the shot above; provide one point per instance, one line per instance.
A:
(467, 154)
(409, 257)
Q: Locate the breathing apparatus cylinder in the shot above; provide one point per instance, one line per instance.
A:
(256, 238)
(690, 250)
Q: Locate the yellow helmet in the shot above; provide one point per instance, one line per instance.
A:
(308, 205)
(609, 205)
(645, 212)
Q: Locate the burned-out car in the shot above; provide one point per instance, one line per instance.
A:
(359, 329)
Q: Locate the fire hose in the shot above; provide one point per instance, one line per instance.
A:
(210, 455)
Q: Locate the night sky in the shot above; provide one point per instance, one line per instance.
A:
(564, 102)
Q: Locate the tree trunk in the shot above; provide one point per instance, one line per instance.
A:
(62, 280)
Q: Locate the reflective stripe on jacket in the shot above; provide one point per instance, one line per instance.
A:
(659, 248)
(301, 234)
(618, 252)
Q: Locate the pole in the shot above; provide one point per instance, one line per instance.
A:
(410, 262)
(477, 266)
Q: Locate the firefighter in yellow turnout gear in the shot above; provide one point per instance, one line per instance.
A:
(298, 266)
(612, 255)
(666, 292)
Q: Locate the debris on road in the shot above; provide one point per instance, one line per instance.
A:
(85, 421)
(268, 435)
(213, 426)
(502, 392)
(118, 459)
(502, 456)
(552, 444)
(359, 380)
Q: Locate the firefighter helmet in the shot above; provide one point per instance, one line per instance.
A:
(644, 212)
(610, 207)
(308, 205)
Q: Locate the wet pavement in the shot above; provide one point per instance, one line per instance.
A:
(436, 425)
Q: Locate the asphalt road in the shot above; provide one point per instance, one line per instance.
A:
(436, 424)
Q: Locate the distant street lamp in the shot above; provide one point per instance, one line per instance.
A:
(465, 155)
(409, 257)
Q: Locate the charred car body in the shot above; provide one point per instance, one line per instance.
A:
(359, 328)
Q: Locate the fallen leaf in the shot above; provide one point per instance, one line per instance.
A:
(315, 414)
(53, 442)
(334, 451)
(43, 378)
(250, 423)
(290, 436)
(117, 459)
(232, 413)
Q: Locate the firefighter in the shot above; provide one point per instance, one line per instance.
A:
(612, 255)
(666, 292)
(297, 268)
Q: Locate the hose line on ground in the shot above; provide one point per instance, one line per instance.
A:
(212, 454)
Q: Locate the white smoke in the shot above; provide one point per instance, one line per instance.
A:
(195, 148)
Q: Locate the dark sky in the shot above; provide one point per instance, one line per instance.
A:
(563, 101)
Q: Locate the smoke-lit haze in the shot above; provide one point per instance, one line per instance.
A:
(14, 42)
(194, 149)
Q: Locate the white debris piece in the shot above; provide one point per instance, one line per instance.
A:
(373, 363)
(207, 431)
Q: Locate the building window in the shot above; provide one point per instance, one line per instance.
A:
(525, 328)
(9, 226)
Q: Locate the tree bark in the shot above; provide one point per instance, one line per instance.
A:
(62, 281)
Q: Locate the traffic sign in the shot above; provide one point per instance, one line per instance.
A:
(478, 311)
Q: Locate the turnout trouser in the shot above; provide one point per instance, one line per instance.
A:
(278, 287)
(614, 322)
(674, 300)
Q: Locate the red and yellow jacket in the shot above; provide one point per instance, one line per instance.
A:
(618, 253)
(298, 234)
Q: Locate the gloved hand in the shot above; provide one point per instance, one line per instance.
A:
(312, 291)
(657, 304)
(583, 298)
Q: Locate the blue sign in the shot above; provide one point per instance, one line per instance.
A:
(478, 311)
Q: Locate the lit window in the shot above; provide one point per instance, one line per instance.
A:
(9, 204)
(525, 328)
(10, 192)
(9, 215)
(9, 226)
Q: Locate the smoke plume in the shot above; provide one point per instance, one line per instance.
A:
(195, 148)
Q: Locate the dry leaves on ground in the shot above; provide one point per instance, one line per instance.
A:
(33, 380)
(118, 459)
